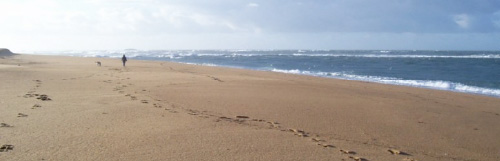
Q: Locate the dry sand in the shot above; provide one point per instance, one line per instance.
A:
(67, 108)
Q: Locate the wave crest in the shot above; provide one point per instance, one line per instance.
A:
(433, 84)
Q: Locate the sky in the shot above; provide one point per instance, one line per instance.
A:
(49, 25)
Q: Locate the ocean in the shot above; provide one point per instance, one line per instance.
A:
(475, 72)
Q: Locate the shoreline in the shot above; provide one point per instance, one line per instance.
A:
(360, 80)
(445, 85)
(157, 110)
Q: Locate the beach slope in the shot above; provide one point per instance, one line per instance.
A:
(68, 108)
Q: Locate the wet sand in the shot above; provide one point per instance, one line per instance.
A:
(68, 108)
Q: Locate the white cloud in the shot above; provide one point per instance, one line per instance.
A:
(253, 5)
(178, 19)
(95, 17)
(462, 20)
(115, 20)
(132, 23)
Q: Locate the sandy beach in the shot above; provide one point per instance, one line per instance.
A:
(68, 108)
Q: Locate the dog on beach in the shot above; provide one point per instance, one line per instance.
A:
(98, 63)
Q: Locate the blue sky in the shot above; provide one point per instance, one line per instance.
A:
(257, 24)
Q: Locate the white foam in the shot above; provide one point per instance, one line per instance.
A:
(475, 56)
(440, 85)
(203, 64)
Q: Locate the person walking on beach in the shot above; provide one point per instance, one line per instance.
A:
(124, 59)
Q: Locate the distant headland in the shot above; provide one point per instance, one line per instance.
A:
(5, 52)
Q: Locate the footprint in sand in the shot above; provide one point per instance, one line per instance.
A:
(36, 106)
(6, 148)
(357, 158)
(203, 116)
(242, 117)
(44, 97)
(326, 145)
(224, 118)
(317, 140)
(258, 120)
(397, 152)
(22, 115)
(394, 151)
(347, 151)
(5, 125)
(274, 124)
(30, 95)
(300, 133)
(171, 111)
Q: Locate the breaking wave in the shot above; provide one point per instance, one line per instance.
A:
(433, 84)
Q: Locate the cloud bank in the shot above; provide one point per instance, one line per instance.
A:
(261, 24)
